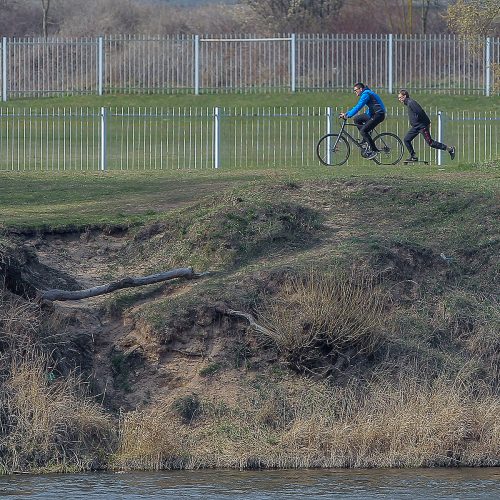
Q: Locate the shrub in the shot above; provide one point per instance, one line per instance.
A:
(324, 313)
(188, 407)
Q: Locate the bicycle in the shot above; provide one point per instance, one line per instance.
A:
(334, 149)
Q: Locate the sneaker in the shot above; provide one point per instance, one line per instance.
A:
(369, 155)
(452, 152)
(412, 158)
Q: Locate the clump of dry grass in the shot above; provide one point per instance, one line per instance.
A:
(20, 321)
(149, 439)
(324, 311)
(47, 422)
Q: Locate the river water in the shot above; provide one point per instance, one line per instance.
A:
(259, 485)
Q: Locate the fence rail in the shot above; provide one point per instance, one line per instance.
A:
(63, 139)
(37, 67)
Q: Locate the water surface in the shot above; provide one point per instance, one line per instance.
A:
(260, 485)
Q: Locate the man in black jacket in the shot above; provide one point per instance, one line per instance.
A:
(420, 124)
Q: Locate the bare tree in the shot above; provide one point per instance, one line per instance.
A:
(45, 16)
(292, 15)
(425, 14)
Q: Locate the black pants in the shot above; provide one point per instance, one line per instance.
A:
(366, 124)
(424, 130)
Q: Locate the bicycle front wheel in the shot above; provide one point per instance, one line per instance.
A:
(390, 147)
(333, 150)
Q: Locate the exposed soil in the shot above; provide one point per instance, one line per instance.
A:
(125, 363)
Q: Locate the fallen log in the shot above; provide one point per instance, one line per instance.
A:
(128, 282)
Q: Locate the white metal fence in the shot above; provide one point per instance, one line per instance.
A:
(62, 139)
(35, 67)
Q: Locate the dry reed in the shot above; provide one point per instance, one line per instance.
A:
(46, 422)
(410, 423)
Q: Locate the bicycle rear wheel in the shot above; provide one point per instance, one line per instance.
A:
(390, 147)
(333, 150)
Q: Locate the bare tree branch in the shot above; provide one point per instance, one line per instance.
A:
(249, 318)
(128, 282)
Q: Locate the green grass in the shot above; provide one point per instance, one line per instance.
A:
(443, 102)
(79, 199)
(60, 200)
(37, 200)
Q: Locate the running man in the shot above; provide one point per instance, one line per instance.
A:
(420, 124)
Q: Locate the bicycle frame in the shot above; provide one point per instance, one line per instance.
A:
(347, 135)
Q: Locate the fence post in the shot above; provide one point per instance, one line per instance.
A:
(196, 64)
(104, 131)
(4, 69)
(216, 137)
(487, 66)
(390, 41)
(292, 62)
(440, 135)
(329, 115)
(100, 69)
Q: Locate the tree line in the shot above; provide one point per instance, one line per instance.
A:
(263, 17)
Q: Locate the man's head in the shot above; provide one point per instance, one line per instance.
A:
(359, 87)
(403, 94)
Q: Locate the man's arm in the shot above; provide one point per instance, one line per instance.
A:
(361, 103)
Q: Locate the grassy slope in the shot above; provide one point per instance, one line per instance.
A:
(438, 331)
(58, 200)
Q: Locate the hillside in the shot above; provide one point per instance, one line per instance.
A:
(346, 320)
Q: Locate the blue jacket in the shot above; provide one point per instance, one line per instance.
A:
(370, 99)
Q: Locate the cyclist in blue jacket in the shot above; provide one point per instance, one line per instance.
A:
(366, 122)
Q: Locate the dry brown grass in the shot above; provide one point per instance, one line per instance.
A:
(326, 309)
(46, 422)
(149, 439)
(49, 424)
(409, 424)
(20, 321)
(414, 424)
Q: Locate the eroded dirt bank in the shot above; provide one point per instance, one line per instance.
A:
(369, 318)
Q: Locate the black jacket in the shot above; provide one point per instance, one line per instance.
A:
(416, 115)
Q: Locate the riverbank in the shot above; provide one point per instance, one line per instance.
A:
(346, 320)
